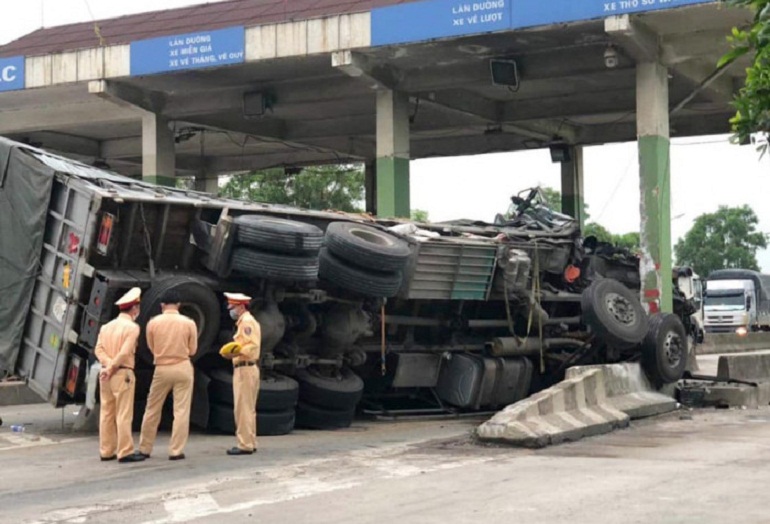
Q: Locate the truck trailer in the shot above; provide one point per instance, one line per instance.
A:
(358, 314)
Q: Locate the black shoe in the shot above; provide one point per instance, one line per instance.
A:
(239, 451)
(255, 450)
(140, 454)
(131, 458)
(111, 457)
(176, 457)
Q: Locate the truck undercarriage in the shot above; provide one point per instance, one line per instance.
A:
(356, 313)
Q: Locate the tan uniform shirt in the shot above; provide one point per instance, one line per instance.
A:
(249, 336)
(116, 344)
(172, 338)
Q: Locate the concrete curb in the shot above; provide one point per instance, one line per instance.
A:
(732, 343)
(570, 410)
(592, 400)
(628, 390)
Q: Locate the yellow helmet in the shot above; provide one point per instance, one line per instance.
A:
(231, 348)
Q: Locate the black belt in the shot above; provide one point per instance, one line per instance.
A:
(241, 364)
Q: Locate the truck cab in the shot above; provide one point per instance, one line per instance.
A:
(736, 301)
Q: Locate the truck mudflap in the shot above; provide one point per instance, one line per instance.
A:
(49, 332)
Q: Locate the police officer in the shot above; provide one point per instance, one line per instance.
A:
(115, 349)
(173, 340)
(245, 373)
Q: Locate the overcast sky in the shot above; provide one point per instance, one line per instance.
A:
(705, 171)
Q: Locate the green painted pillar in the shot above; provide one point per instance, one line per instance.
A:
(655, 185)
(370, 186)
(572, 197)
(158, 155)
(392, 154)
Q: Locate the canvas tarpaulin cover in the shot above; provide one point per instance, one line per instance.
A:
(25, 191)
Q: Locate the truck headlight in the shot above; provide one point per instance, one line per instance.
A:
(742, 331)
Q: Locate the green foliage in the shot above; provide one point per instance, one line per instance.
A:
(419, 215)
(599, 231)
(339, 187)
(752, 103)
(727, 238)
(552, 197)
(629, 241)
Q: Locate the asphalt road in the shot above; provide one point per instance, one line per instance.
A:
(701, 467)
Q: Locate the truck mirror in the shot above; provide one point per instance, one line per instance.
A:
(748, 302)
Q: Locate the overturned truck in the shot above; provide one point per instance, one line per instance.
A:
(357, 314)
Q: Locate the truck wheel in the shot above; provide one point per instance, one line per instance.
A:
(341, 391)
(198, 302)
(269, 423)
(664, 349)
(273, 423)
(614, 313)
(274, 266)
(279, 235)
(276, 392)
(360, 281)
(366, 246)
(313, 417)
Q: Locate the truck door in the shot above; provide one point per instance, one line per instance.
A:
(49, 334)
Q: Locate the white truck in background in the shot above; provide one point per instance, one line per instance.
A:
(737, 301)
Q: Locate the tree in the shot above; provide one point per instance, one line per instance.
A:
(727, 238)
(752, 103)
(629, 241)
(339, 187)
(419, 215)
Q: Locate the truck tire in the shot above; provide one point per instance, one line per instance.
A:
(269, 423)
(313, 417)
(276, 392)
(360, 281)
(274, 266)
(198, 302)
(279, 235)
(614, 313)
(367, 247)
(664, 349)
(340, 392)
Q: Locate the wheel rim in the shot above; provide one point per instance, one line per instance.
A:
(194, 312)
(672, 349)
(620, 308)
(371, 237)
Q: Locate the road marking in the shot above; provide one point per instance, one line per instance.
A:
(311, 478)
(188, 508)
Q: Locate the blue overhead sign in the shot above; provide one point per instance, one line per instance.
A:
(530, 13)
(430, 19)
(12, 73)
(417, 21)
(188, 51)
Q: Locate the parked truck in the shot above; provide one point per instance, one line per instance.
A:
(737, 301)
(357, 314)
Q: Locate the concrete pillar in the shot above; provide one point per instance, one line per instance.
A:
(655, 185)
(158, 157)
(207, 184)
(572, 199)
(370, 186)
(392, 154)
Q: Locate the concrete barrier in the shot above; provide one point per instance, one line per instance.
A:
(591, 400)
(732, 343)
(752, 367)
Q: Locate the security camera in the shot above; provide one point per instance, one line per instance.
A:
(610, 57)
